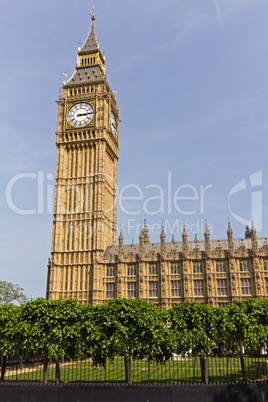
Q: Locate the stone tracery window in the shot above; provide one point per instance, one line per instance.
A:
(175, 269)
(222, 287)
(198, 288)
(110, 290)
(131, 270)
(246, 286)
(175, 288)
(244, 266)
(153, 289)
(220, 267)
(153, 270)
(266, 285)
(110, 271)
(131, 289)
(197, 268)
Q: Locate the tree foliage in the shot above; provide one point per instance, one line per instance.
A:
(10, 293)
(193, 326)
(52, 328)
(133, 329)
(125, 327)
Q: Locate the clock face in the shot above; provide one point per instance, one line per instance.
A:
(80, 114)
(113, 124)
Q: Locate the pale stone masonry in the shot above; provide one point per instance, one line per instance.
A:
(85, 262)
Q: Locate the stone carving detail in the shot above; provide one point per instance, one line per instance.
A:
(141, 289)
(209, 278)
(163, 290)
(185, 266)
(186, 284)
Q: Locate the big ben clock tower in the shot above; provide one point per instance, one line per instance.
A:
(84, 221)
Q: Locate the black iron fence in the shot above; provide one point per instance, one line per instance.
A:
(28, 361)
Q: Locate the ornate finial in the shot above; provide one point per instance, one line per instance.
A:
(252, 226)
(64, 76)
(93, 13)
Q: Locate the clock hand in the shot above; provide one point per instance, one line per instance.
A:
(83, 114)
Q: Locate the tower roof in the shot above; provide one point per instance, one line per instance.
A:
(91, 43)
(90, 66)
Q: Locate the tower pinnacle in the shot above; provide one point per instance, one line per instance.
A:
(93, 13)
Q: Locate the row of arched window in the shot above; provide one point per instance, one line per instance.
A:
(81, 278)
(88, 61)
(81, 91)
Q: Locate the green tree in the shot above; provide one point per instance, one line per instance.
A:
(9, 320)
(130, 328)
(193, 330)
(243, 328)
(52, 327)
(10, 293)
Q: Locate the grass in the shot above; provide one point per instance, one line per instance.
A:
(188, 370)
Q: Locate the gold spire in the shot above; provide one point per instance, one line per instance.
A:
(146, 233)
(93, 13)
(206, 233)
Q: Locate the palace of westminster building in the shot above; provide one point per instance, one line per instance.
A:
(86, 264)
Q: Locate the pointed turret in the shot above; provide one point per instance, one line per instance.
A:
(162, 236)
(254, 241)
(230, 239)
(120, 241)
(91, 43)
(163, 242)
(90, 66)
(184, 242)
(207, 240)
(146, 233)
(141, 238)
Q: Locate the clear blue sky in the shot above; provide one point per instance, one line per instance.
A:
(192, 86)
